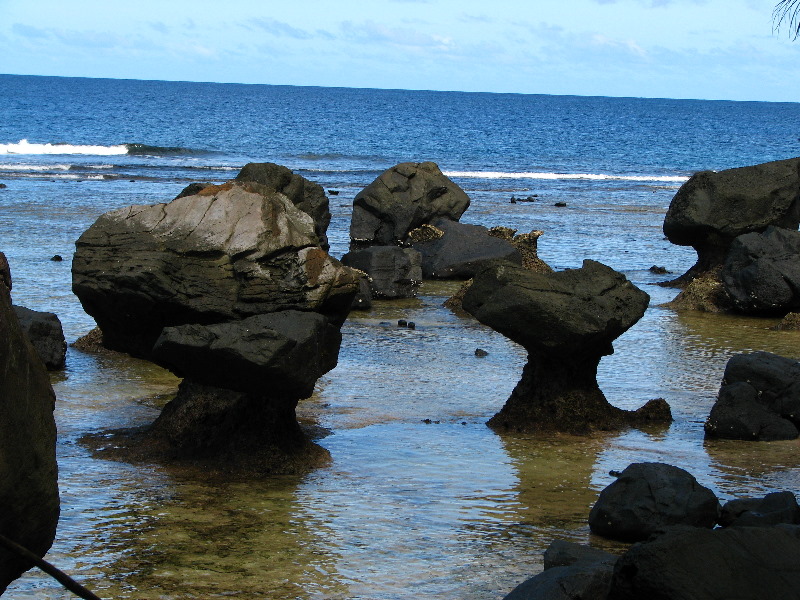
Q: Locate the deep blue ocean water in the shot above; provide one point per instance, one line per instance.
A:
(406, 509)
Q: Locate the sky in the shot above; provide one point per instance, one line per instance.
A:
(704, 49)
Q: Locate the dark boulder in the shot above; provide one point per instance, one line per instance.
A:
(192, 189)
(462, 250)
(393, 272)
(566, 321)
(759, 399)
(761, 274)
(746, 563)
(44, 331)
(304, 194)
(648, 497)
(402, 199)
(571, 571)
(284, 352)
(772, 509)
(229, 253)
(711, 209)
(28, 470)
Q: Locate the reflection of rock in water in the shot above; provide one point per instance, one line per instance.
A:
(566, 321)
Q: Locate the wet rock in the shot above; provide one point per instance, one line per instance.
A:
(646, 498)
(401, 199)
(394, 272)
(304, 194)
(761, 274)
(527, 245)
(658, 270)
(28, 470)
(44, 331)
(759, 399)
(791, 322)
(701, 564)
(711, 209)
(363, 297)
(227, 254)
(772, 509)
(704, 293)
(461, 250)
(57, 258)
(567, 322)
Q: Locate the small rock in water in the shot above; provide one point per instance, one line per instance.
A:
(659, 270)
(412, 325)
(333, 192)
(2, 186)
(57, 258)
(480, 352)
(560, 204)
(402, 323)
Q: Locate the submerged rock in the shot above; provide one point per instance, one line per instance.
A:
(712, 209)
(401, 199)
(646, 498)
(566, 321)
(28, 469)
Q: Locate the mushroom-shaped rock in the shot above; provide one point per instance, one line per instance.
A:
(28, 470)
(304, 194)
(713, 208)
(566, 321)
(761, 274)
(646, 498)
(401, 199)
(228, 253)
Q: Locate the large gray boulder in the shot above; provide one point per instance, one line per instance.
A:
(566, 321)
(746, 563)
(462, 250)
(761, 274)
(648, 497)
(712, 209)
(228, 253)
(402, 199)
(304, 194)
(44, 331)
(28, 470)
(759, 399)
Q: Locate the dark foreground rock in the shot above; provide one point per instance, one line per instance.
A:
(761, 274)
(28, 470)
(759, 399)
(401, 199)
(567, 322)
(44, 331)
(772, 509)
(462, 250)
(646, 498)
(713, 208)
(393, 272)
(746, 563)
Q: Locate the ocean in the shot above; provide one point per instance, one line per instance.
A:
(421, 499)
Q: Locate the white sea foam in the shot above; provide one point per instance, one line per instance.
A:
(25, 147)
(35, 167)
(558, 176)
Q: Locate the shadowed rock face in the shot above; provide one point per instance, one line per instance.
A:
(401, 199)
(712, 209)
(566, 321)
(28, 470)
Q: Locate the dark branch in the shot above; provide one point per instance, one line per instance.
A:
(787, 11)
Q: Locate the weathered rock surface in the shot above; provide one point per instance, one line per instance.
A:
(747, 563)
(304, 194)
(527, 244)
(402, 199)
(462, 250)
(393, 272)
(759, 399)
(28, 470)
(712, 209)
(282, 353)
(762, 272)
(648, 497)
(44, 331)
(566, 321)
(226, 254)
(772, 509)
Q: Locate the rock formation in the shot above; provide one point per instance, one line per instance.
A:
(28, 470)
(772, 509)
(230, 289)
(401, 199)
(393, 272)
(711, 209)
(646, 498)
(759, 399)
(566, 321)
(44, 331)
